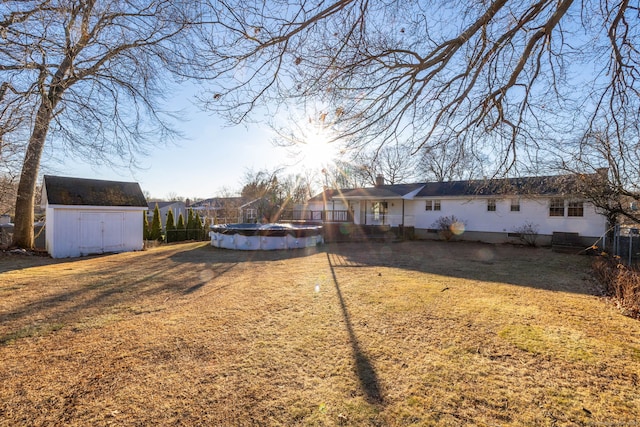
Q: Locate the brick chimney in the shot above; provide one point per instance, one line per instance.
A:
(379, 180)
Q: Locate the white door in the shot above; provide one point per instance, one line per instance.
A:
(113, 232)
(90, 233)
(101, 232)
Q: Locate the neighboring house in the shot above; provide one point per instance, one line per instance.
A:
(177, 207)
(219, 210)
(7, 228)
(88, 216)
(253, 211)
(491, 210)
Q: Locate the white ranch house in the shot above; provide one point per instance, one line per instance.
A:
(491, 210)
(89, 216)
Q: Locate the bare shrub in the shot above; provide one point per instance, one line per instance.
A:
(622, 283)
(527, 233)
(449, 226)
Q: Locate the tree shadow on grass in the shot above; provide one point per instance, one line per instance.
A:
(14, 262)
(103, 286)
(365, 370)
(538, 268)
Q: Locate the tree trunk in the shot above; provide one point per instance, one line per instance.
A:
(25, 201)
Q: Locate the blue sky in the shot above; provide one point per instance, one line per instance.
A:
(212, 157)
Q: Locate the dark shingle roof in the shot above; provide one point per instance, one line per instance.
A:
(538, 185)
(92, 192)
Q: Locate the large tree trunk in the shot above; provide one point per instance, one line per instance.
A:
(25, 201)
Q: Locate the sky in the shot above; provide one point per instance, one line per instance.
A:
(213, 157)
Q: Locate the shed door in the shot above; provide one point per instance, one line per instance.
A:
(101, 232)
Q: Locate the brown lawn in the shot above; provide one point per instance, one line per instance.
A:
(414, 333)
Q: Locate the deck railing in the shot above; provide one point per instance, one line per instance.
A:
(318, 216)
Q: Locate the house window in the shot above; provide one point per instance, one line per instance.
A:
(515, 205)
(491, 205)
(556, 207)
(432, 205)
(251, 214)
(575, 208)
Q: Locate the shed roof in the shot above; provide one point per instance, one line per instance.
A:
(60, 190)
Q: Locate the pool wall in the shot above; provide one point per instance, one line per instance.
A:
(255, 237)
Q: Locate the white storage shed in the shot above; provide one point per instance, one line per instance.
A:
(89, 216)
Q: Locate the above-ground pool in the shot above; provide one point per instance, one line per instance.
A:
(266, 237)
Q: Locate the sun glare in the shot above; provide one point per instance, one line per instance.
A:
(316, 151)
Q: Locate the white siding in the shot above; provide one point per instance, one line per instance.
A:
(77, 231)
(473, 211)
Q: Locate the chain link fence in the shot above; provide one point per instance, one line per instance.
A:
(625, 244)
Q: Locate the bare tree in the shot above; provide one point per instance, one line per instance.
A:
(344, 174)
(394, 163)
(273, 192)
(89, 77)
(8, 190)
(498, 78)
(610, 170)
(450, 162)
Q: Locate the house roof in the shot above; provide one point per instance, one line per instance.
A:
(162, 204)
(328, 194)
(538, 185)
(392, 191)
(60, 190)
(218, 202)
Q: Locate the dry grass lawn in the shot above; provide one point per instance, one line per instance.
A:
(413, 333)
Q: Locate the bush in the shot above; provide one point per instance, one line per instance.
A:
(145, 226)
(622, 283)
(191, 226)
(449, 226)
(200, 232)
(181, 232)
(527, 233)
(155, 232)
(170, 227)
